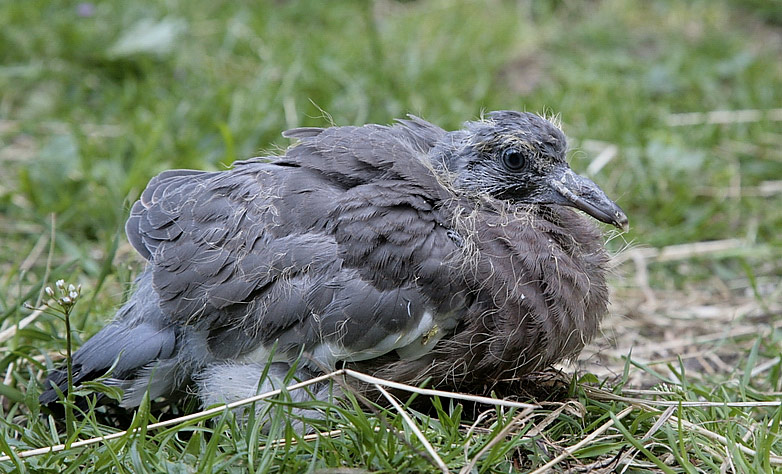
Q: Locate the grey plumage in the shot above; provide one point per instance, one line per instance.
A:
(406, 251)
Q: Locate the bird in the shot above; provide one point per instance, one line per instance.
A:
(419, 255)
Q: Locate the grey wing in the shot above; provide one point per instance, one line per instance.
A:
(391, 225)
(392, 221)
(215, 240)
(353, 255)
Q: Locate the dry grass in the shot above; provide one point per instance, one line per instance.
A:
(705, 326)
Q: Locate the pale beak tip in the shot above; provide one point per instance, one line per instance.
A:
(621, 221)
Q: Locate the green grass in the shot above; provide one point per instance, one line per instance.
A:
(92, 106)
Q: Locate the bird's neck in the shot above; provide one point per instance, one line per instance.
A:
(541, 273)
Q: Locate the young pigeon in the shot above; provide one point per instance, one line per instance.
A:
(404, 251)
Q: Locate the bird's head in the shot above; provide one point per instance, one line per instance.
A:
(520, 157)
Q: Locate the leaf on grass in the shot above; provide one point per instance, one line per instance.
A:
(148, 36)
(90, 387)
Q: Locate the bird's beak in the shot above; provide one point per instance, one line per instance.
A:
(571, 189)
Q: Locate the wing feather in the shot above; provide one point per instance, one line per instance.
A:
(341, 238)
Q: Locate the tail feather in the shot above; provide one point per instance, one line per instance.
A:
(137, 339)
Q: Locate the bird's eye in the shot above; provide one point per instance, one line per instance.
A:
(513, 160)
